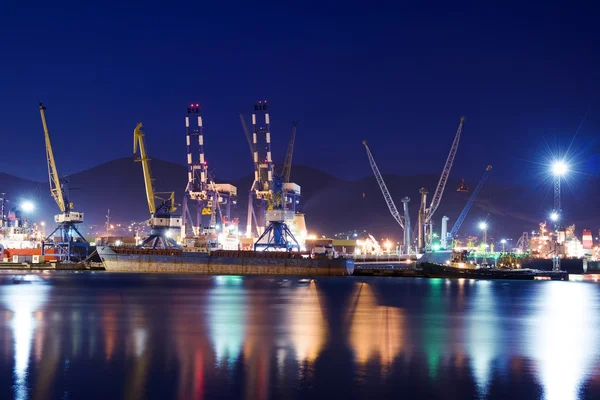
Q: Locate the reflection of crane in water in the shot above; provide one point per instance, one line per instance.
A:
(375, 331)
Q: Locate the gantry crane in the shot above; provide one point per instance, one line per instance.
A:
(426, 214)
(403, 221)
(200, 188)
(71, 245)
(465, 211)
(263, 192)
(163, 223)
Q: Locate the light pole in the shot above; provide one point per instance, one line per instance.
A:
(559, 169)
(483, 226)
(503, 241)
(554, 216)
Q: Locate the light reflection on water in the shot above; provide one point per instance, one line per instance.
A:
(261, 338)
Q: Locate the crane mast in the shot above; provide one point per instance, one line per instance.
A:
(468, 206)
(383, 187)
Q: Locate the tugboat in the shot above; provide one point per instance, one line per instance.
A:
(460, 267)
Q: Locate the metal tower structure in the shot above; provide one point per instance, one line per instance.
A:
(557, 205)
(523, 243)
(405, 202)
(164, 224)
(263, 190)
(470, 202)
(427, 214)
(388, 198)
(71, 245)
(201, 187)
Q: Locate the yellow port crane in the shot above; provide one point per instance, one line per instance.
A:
(70, 245)
(161, 216)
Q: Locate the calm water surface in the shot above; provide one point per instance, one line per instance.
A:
(105, 336)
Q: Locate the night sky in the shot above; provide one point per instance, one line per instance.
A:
(399, 75)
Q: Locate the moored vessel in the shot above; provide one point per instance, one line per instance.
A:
(221, 262)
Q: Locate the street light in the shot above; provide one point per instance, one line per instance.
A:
(483, 226)
(503, 241)
(559, 168)
(27, 206)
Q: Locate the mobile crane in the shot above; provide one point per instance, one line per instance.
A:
(71, 245)
(163, 222)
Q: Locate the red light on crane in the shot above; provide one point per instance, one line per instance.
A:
(197, 105)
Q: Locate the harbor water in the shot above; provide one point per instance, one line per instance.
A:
(97, 335)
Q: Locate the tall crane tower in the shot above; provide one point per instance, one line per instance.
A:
(403, 221)
(426, 214)
(209, 197)
(164, 224)
(71, 245)
(263, 191)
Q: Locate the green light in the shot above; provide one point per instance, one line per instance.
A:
(436, 247)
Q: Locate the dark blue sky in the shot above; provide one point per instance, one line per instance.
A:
(399, 75)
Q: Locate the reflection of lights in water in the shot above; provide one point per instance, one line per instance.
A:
(376, 331)
(109, 327)
(306, 323)
(563, 338)
(23, 301)
(226, 309)
(139, 341)
(434, 327)
(482, 335)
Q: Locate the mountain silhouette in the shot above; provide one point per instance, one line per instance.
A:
(331, 205)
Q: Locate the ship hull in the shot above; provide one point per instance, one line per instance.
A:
(203, 263)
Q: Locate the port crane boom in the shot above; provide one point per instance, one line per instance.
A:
(55, 185)
(465, 211)
(286, 170)
(71, 245)
(138, 141)
(426, 213)
(383, 187)
(439, 190)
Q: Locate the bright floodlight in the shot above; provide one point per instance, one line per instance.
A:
(503, 241)
(554, 216)
(27, 206)
(559, 168)
(482, 226)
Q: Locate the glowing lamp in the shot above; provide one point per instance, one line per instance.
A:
(28, 206)
(482, 226)
(554, 216)
(559, 168)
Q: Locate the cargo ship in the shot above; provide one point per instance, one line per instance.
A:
(222, 262)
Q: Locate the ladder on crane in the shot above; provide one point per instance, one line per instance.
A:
(470, 202)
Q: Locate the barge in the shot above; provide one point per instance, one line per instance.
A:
(221, 262)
